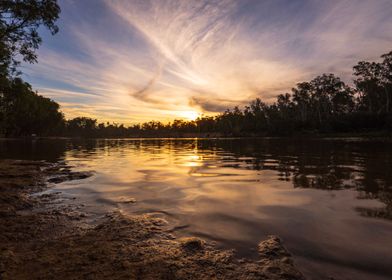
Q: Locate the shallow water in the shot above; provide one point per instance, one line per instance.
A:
(330, 200)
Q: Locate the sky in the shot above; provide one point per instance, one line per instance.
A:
(130, 61)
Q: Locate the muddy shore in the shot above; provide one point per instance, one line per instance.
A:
(41, 238)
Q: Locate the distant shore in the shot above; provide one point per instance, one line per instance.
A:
(43, 236)
(310, 135)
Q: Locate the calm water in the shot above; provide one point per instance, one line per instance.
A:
(330, 200)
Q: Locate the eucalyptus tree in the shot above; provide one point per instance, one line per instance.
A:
(331, 96)
(206, 124)
(285, 106)
(302, 100)
(230, 121)
(386, 79)
(24, 112)
(369, 87)
(259, 110)
(21, 109)
(82, 126)
(19, 23)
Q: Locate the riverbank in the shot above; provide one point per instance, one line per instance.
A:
(44, 237)
(377, 135)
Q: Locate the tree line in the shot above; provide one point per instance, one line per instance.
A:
(323, 105)
(22, 111)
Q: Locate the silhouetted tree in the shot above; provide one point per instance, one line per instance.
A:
(330, 97)
(19, 23)
(368, 84)
(24, 112)
(386, 79)
(82, 126)
(302, 101)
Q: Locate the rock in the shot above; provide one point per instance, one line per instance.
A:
(272, 248)
(192, 243)
(287, 260)
(127, 200)
(69, 176)
(276, 261)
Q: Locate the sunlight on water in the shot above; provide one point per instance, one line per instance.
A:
(330, 201)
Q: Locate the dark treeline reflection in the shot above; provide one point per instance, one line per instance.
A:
(46, 150)
(362, 165)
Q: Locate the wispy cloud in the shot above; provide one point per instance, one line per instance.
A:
(145, 59)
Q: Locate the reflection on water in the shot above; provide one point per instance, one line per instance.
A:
(330, 200)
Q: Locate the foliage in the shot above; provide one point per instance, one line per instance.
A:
(374, 84)
(19, 23)
(24, 112)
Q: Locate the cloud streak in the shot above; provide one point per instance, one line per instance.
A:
(146, 59)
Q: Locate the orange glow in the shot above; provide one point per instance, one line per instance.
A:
(189, 115)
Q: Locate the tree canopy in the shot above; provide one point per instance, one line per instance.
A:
(19, 23)
(23, 112)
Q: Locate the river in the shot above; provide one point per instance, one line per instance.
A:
(330, 200)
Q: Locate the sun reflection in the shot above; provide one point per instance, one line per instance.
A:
(192, 161)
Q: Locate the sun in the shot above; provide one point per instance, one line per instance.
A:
(189, 115)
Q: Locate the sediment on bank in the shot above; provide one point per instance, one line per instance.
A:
(43, 239)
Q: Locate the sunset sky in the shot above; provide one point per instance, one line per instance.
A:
(136, 60)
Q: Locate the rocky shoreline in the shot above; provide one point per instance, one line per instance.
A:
(42, 239)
